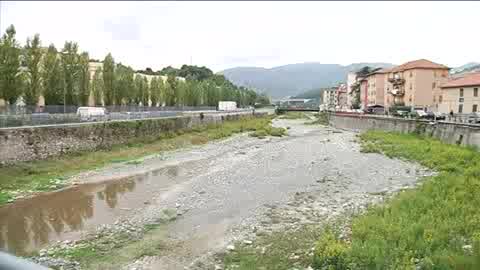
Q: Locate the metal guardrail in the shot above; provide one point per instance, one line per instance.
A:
(136, 112)
(60, 109)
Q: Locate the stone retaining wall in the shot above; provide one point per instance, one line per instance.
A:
(35, 143)
(453, 133)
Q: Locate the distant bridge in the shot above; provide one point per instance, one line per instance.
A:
(282, 109)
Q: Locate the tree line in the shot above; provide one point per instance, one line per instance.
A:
(64, 77)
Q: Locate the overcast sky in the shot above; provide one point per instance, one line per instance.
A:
(222, 35)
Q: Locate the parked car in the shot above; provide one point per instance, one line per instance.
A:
(92, 113)
(473, 118)
(440, 116)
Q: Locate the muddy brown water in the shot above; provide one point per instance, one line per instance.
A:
(31, 224)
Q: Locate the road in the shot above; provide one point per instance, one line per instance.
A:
(225, 190)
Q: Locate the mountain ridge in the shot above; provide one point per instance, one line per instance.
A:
(292, 79)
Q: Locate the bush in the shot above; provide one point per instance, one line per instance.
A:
(330, 253)
(436, 226)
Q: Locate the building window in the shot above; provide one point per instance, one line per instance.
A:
(434, 74)
(410, 86)
(434, 99)
(474, 108)
(460, 108)
(461, 92)
(411, 74)
(440, 99)
(475, 92)
(433, 85)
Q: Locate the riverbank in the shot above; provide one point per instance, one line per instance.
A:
(29, 178)
(432, 226)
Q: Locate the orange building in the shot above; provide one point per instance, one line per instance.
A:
(415, 84)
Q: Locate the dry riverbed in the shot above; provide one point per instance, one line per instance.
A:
(191, 208)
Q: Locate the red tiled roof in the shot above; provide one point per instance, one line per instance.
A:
(421, 64)
(472, 79)
(380, 71)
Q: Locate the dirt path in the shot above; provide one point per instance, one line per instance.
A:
(224, 191)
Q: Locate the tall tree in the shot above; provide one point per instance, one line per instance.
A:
(70, 67)
(9, 66)
(124, 84)
(155, 91)
(108, 79)
(145, 92)
(97, 87)
(84, 79)
(139, 90)
(32, 57)
(52, 77)
(171, 90)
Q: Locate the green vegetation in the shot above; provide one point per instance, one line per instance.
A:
(114, 250)
(278, 251)
(268, 130)
(293, 115)
(436, 226)
(50, 174)
(63, 77)
(321, 119)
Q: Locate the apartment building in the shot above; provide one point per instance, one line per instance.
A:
(375, 88)
(351, 80)
(329, 99)
(342, 97)
(415, 84)
(460, 95)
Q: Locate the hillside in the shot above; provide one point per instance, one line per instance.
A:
(290, 80)
(469, 67)
(311, 94)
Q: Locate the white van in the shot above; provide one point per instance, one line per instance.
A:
(227, 105)
(92, 113)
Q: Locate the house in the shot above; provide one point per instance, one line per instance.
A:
(351, 80)
(415, 84)
(330, 100)
(375, 88)
(460, 95)
(356, 91)
(342, 97)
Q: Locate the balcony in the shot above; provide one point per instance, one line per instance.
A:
(396, 81)
(397, 92)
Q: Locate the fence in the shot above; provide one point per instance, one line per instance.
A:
(60, 109)
(50, 115)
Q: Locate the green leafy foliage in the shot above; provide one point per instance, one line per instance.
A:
(436, 226)
(9, 66)
(65, 78)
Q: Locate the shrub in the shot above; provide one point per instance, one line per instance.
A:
(330, 253)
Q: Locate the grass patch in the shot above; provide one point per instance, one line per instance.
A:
(269, 131)
(114, 251)
(279, 251)
(45, 175)
(293, 115)
(321, 119)
(5, 197)
(436, 226)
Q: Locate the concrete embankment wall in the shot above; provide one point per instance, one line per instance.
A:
(453, 133)
(35, 143)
